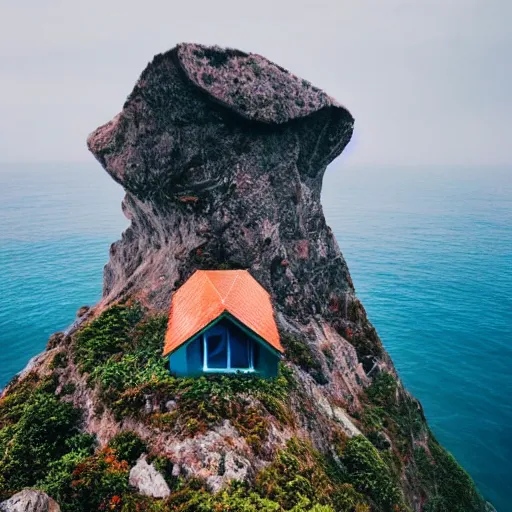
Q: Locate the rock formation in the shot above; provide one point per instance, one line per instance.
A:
(147, 480)
(222, 155)
(29, 500)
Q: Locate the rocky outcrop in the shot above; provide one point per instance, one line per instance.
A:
(29, 500)
(147, 480)
(222, 155)
(216, 178)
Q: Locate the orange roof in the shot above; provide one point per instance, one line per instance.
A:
(208, 294)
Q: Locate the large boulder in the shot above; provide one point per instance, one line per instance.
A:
(222, 155)
(147, 480)
(30, 500)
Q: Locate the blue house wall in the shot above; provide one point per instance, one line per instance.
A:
(189, 359)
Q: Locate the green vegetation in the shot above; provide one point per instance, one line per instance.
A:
(392, 412)
(301, 354)
(121, 351)
(60, 360)
(370, 475)
(105, 336)
(35, 428)
(208, 78)
(300, 478)
(81, 482)
(448, 487)
(127, 446)
(206, 401)
(366, 342)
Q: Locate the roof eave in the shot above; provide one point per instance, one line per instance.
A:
(232, 318)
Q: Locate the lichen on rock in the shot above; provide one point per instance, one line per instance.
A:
(30, 500)
(147, 480)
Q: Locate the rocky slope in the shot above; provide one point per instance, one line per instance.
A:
(222, 156)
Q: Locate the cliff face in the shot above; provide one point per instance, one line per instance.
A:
(222, 156)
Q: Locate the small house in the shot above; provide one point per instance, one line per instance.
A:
(222, 321)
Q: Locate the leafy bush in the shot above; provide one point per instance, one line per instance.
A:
(81, 483)
(105, 336)
(295, 476)
(37, 439)
(390, 408)
(301, 479)
(127, 446)
(365, 341)
(369, 474)
(208, 400)
(448, 486)
(383, 390)
(60, 360)
(19, 393)
(68, 389)
(122, 351)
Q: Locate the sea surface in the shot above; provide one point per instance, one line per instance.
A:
(429, 250)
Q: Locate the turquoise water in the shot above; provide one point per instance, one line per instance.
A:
(430, 252)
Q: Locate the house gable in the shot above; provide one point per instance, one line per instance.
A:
(242, 351)
(209, 295)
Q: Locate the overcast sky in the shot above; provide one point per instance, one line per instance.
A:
(427, 82)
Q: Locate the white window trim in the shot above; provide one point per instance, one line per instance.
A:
(228, 369)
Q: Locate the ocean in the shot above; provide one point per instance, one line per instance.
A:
(429, 250)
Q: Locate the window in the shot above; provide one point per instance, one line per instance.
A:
(240, 352)
(217, 351)
(227, 351)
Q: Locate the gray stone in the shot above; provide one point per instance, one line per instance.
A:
(170, 405)
(148, 405)
(147, 480)
(30, 500)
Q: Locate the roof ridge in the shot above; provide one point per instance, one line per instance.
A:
(213, 286)
(232, 284)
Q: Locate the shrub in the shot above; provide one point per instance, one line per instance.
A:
(81, 483)
(14, 402)
(448, 486)
(38, 438)
(60, 360)
(82, 442)
(382, 391)
(127, 446)
(366, 342)
(57, 483)
(295, 476)
(104, 336)
(393, 409)
(369, 474)
(133, 357)
(68, 389)
(208, 400)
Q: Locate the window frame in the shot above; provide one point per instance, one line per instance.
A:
(229, 369)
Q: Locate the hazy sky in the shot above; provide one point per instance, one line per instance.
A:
(427, 82)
